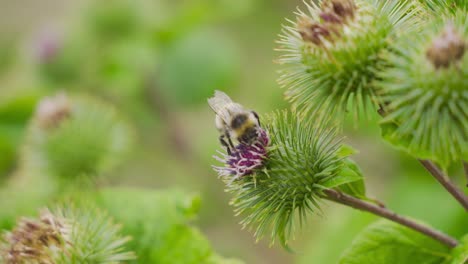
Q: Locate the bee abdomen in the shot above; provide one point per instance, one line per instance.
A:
(249, 135)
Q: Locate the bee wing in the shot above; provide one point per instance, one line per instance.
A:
(223, 106)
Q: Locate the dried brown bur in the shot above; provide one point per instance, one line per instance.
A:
(34, 241)
(446, 49)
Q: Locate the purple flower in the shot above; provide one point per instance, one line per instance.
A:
(48, 45)
(244, 159)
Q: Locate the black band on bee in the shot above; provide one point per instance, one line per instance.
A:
(249, 135)
(238, 121)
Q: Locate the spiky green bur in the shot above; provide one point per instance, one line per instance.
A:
(65, 235)
(427, 94)
(160, 223)
(445, 5)
(333, 53)
(75, 138)
(303, 159)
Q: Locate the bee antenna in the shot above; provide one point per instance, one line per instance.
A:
(256, 116)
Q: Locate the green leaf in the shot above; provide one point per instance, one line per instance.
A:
(346, 151)
(349, 180)
(460, 253)
(389, 243)
(158, 221)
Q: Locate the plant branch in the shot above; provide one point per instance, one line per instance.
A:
(439, 175)
(445, 181)
(345, 199)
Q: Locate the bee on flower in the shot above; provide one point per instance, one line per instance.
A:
(241, 135)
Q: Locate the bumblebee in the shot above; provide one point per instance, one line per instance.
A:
(234, 121)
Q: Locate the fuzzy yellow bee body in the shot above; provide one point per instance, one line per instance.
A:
(233, 120)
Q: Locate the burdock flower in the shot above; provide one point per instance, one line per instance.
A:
(289, 166)
(245, 158)
(426, 91)
(51, 111)
(446, 49)
(36, 240)
(65, 235)
(333, 53)
(75, 138)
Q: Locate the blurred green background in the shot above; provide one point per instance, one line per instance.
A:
(158, 61)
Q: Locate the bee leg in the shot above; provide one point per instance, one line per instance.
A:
(229, 140)
(256, 116)
(225, 144)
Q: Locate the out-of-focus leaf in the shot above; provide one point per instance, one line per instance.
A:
(158, 221)
(196, 66)
(389, 243)
(460, 253)
(14, 113)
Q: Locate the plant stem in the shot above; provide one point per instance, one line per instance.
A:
(445, 181)
(359, 204)
(440, 176)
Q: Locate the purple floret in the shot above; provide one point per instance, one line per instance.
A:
(245, 158)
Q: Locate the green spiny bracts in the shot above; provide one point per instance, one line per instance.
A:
(426, 92)
(333, 53)
(72, 137)
(445, 5)
(303, 158)
(65, 235)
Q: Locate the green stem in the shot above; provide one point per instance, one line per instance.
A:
(348, 200)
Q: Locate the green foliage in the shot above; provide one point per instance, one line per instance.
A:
(337, 73)
(63, 67)
(460, 253)
(84, 144)
(445, 5)
(159, 222)
(385, 242)
(14, 114)
(94, 238)
(427, 104)
(113, 20)
(211, 54)
(66, 234)
(303, 159)
(351, 179)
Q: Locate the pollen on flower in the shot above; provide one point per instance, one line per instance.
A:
(447, 48)
(244, 159)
